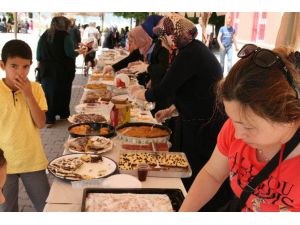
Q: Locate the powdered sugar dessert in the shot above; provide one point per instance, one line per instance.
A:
(127, 202)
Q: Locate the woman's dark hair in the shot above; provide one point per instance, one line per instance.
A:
(265, 90)
(16, 48)
(58, 23)
(2, 158)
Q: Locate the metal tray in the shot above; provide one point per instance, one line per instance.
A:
(136, 140)
(163, 171)
(176, 196)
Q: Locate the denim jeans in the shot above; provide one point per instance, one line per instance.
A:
(227, 51)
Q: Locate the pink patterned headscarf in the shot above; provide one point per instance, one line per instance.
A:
(141, 40)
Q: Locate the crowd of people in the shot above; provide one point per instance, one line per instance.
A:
(231, 129)
(7, 24)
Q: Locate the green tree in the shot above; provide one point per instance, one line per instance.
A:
(138, 16)
(10, 15)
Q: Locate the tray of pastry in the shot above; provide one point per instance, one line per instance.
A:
(89, 145)
(143, 133)
(94, 97)
(161, 164)
(131, 200)
(87, 118)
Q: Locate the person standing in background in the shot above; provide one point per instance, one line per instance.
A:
(75, 33)
(90, 39)
(201, 36)
(56, 60)
(91, 32)
(226, 38)
(108, 41)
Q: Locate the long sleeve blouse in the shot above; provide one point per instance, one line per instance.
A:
(191, 79)
(132, 57)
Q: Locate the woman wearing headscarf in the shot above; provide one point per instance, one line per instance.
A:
(191, 78)
(56, 59)
(140, 39)
(90, 37)
(153, 57)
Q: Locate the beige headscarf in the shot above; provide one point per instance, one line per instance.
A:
(141, 39)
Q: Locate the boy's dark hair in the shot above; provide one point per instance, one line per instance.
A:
(16, 48)
(2, 158)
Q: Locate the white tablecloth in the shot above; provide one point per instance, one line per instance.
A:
(64, 197)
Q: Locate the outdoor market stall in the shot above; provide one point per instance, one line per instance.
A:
(68, 195)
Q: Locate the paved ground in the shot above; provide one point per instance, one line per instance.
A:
(53, 140)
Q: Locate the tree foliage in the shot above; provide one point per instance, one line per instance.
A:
(138, 16)
(10, 15)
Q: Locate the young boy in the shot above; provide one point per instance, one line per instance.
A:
(2, 175)
(22, 113)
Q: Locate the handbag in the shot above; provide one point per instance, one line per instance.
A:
(237, 204)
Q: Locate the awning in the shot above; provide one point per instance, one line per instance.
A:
(289, 32)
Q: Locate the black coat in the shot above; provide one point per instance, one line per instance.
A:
(75, 35)
(57, 72)
(108, 40)
(192, 79)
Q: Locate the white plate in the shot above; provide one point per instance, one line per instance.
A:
(108, 148)
(122, 98)
(89, 108)
(121, 181)
(107, 167)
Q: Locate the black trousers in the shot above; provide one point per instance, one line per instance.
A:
(49, 86)
(63, 95)
(57, 85)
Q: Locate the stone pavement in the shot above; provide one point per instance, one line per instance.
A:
(53, 139)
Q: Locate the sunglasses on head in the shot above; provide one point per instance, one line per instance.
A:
(266, 58)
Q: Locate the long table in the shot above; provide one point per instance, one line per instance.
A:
(65, 197)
